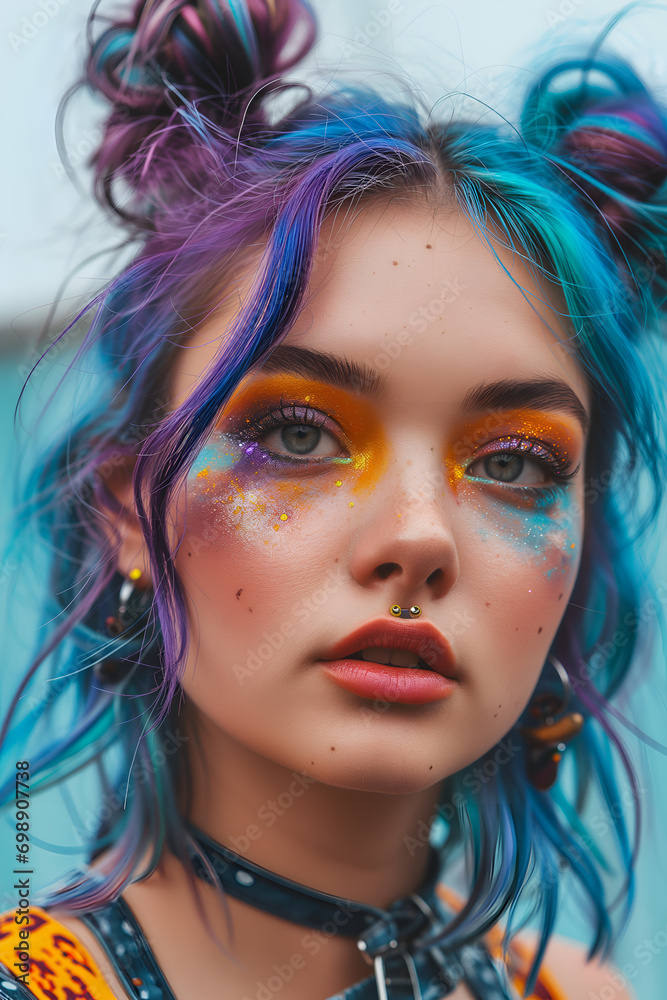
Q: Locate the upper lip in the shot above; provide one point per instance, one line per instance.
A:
(422, 637)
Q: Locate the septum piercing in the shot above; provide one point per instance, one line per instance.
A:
(398, 612)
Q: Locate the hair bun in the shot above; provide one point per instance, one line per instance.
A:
(623, 145)
(216, 50)
(174, 68)
(607, 127)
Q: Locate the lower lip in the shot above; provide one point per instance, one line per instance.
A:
(410, 686)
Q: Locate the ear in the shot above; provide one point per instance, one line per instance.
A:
(122, 522)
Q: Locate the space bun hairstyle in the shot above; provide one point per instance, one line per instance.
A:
(172, 62)
(609, 135)
(199, 167)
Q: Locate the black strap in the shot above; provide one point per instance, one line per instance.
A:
(436, 972)
(129, 952)
(11, 988)
(300, 904)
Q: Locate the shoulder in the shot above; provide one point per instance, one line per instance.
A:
(55, 955)
(566, 962)
(565, 973)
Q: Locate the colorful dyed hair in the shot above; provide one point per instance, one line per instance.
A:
(198, 165)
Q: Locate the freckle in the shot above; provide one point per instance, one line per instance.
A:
(487, 604)
(333, 748)
(250, 609)
(189, 553)
(428, 246)
(312, 761)
(539, 630)
(336, 559)
(559, 596)
(516, 629)
(239, 592)
(430, 767)
(394, 262)
(495, 715)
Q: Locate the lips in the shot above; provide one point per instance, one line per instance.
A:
(422, 638)
(393, 683)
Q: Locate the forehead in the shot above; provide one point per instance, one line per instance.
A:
(418, 293)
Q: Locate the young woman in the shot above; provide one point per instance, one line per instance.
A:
(340, 532)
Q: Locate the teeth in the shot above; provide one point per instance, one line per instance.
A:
(393, 657)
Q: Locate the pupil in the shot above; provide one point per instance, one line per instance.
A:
(301, 438)
(506, 468)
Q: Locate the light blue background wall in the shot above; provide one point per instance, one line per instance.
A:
(48, 230)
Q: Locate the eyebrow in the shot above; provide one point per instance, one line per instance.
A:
(541, 392)
(336, 370)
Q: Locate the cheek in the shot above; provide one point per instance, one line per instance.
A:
(538, 542)
(238, 491)
(524, 564)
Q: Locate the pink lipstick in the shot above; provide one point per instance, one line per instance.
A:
(417, 667)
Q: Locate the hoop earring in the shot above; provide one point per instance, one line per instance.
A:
(132, 606)
(547, 738)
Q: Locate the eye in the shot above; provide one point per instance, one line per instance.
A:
(508, 467)
(301, 440)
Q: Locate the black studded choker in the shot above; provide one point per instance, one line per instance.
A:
(400, 942)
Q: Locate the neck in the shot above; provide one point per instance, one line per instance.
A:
(348, 842)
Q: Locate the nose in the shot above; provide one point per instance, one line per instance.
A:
(406, 543)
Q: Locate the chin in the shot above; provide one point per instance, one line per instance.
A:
(375, 775)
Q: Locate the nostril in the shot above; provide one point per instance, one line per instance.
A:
(386, 569)
(435, 575)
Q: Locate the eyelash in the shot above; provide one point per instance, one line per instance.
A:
(557, 466)
(287, 415)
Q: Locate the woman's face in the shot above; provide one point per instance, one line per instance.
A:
(442, 488)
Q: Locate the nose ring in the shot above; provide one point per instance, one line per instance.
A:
(398, 612)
